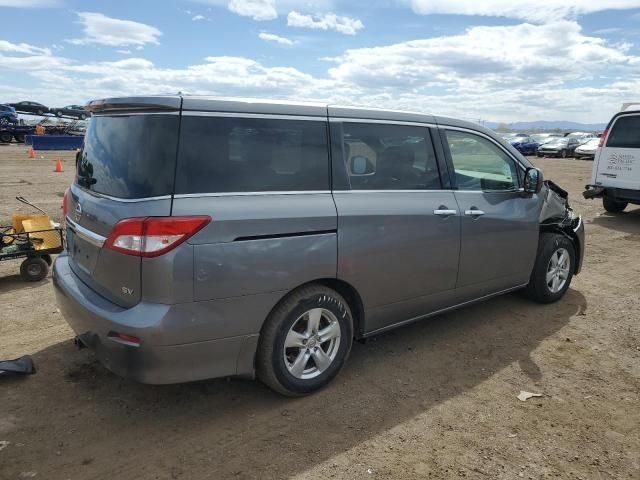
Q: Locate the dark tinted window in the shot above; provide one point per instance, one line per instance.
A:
(129, 156)
(389, 157)
(219, 154)
(625, 133)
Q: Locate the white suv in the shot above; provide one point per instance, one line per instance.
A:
(616, 170)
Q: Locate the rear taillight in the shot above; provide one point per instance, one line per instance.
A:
(65, 206)
(603, 137)
(153, 236)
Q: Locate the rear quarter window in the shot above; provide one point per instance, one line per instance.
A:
(230, 154)
(129, 156)
(625, 132)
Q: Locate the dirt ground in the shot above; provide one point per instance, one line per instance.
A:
(436, 399)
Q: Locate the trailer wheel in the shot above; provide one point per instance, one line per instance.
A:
(5, 137)
(34, 269)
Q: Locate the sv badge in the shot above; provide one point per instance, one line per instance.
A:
(127, 291)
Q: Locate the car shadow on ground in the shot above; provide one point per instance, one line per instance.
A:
(9, 283)
(626, 222)
(107, 427)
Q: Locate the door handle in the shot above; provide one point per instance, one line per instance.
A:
(474, 212)
(444, 212)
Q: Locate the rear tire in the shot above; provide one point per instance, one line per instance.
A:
(34, 269)
(313, 322)
(613, 206)
(5, 137)
(553, 270)
(563, 154)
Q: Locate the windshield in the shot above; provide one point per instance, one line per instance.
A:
(129, 156)
(591, 143)
(557, 141)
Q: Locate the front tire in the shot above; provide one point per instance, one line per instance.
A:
(305, 341)
(613, 206)
(563, 154)
(553, 270)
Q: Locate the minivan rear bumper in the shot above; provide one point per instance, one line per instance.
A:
(95, 320)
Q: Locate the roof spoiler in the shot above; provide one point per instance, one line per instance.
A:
(132, 104)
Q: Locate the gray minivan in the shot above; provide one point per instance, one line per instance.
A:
(213, 237)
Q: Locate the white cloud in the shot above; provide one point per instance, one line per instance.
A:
(102, 30)
(22, 48)
(257, 9)
(531, 10)
(124, 52)
(280, 6)
(197, 18)
(329, 21)
(484, 58)
(270, 37)
(22, 56)
(30, 3)
(500, 73)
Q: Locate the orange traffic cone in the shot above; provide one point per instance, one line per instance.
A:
(59, 166)
(31, 152)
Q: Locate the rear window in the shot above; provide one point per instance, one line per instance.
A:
(625, 133)
(229, 154)
(130, 156)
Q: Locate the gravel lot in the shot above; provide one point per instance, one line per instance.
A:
(436, 399)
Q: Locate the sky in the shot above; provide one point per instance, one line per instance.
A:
(496, 60)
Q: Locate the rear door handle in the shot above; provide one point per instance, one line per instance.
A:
(474, 212)
(444, 212)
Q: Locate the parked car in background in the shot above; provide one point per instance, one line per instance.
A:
(558, 147)
(616, 169)
(587, 150)
(32, 108)
(75, 111)
(251, 248)
(544, 137)
(582, 137)
(524, 144)
(8, 114)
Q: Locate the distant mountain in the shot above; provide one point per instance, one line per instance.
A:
(550, 125)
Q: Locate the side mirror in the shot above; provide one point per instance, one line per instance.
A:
(533, 180)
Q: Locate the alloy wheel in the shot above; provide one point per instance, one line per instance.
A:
(312, 343)
(558, 270)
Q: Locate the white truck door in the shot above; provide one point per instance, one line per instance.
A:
(618, 159)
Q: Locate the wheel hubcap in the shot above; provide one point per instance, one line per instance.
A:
(312, 343)
(33, 270)
(558, 270)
